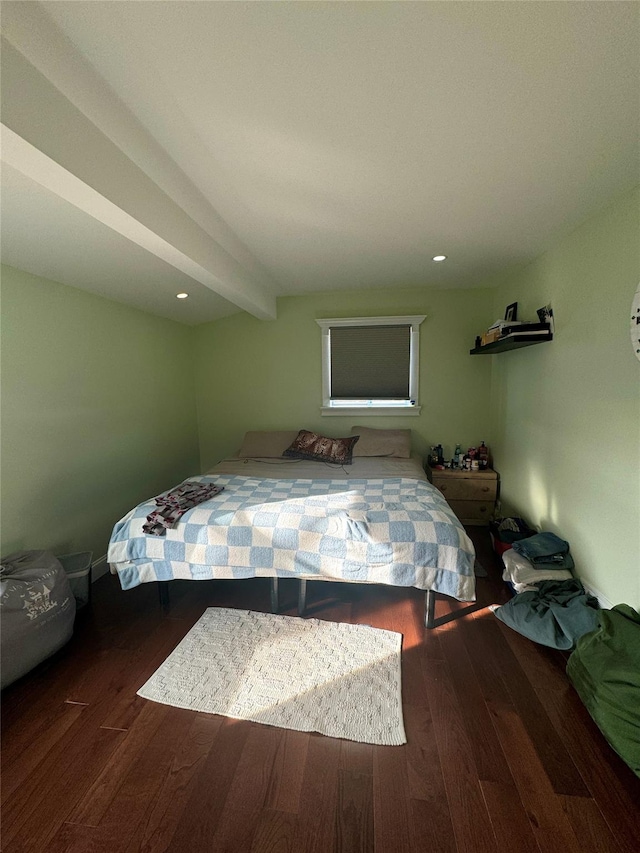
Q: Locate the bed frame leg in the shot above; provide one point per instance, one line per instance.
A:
(274, 595)
(163, 592)
(430, 609)
(302, 597)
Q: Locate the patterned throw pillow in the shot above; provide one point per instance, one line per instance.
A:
(310, 445)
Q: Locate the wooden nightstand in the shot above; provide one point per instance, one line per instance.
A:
(470, 494)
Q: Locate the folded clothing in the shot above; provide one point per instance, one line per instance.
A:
(605, 671)
(175, 503)
(523, 575)
(510, 530)
(544, 550)
(555, 613)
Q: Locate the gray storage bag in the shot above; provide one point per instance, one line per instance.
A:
(37, 609)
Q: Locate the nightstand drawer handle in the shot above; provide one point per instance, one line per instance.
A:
(443, 488)
(486, 489)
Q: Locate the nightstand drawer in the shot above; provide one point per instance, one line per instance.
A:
(467, 489)
(470, 494)
(472, 512)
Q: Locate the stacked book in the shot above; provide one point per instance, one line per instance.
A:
(525, 329)
(503, 330)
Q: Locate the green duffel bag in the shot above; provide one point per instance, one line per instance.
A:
(605, 670)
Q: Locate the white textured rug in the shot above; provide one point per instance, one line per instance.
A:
(337, 679)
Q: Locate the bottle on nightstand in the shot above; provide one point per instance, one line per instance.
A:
(483, 456)
(457, 456)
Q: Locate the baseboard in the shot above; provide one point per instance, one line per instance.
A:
(99, 568)
(603, 601)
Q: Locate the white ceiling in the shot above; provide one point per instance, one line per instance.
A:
(51, 238)
(346, 143)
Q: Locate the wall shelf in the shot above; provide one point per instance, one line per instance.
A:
(511, 342)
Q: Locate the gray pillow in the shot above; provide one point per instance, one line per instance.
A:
(269, 444)
(382, 442)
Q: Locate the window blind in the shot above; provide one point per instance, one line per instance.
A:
(370, 362)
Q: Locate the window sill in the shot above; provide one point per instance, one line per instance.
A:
(373, 411)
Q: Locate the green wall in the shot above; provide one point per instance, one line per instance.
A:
(566, 430)
(98, 413)
(267, 375)
(99, 400)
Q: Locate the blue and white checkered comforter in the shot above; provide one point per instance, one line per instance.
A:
(393, 531)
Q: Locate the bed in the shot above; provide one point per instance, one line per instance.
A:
(376, 520)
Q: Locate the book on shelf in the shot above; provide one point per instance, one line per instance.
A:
(521, 336)
(500, 324)
(510, 331)
(526, 329)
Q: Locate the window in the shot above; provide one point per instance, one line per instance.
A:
(370, 365)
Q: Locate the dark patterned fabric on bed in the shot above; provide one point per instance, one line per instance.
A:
(310, 445)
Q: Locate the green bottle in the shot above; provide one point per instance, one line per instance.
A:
(456, 456)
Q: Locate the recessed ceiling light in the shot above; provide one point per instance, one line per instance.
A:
(181, 295)
(439, 258)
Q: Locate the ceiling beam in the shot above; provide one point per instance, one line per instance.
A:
(46, 137)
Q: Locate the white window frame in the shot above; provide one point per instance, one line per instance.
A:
(372, 407)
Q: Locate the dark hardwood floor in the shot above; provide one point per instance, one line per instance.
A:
(501, 754)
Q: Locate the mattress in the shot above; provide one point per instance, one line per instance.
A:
(376, 521)
(362, 468)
